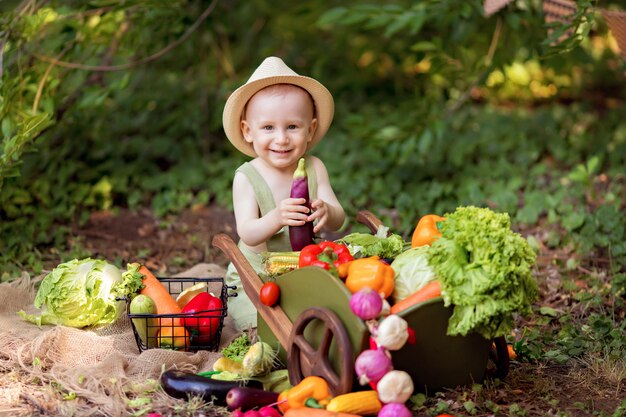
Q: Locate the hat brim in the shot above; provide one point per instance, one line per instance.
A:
(231, 118)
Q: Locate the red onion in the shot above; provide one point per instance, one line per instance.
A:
(366, 303)
(394, 410)
(371, 365)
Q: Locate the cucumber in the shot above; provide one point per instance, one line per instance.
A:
(301, 236)
(146, 327)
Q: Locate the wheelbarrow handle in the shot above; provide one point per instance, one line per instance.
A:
(368, 219)
(275, 316)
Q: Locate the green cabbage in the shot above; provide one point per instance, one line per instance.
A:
(82, 293)
(412, 272)
(485, 271)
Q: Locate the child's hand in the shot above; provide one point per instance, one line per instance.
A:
(293, 212)
(320, 212)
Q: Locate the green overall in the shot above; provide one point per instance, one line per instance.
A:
(240, 308)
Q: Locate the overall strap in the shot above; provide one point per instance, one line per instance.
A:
(264, 196)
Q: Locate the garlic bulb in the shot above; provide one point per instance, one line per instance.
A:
(395, 387)
(392, 332)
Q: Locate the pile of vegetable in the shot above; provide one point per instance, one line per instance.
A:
(470, 257)
(89, 292)
(193, 319)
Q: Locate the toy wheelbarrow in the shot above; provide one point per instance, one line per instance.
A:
(319, 335)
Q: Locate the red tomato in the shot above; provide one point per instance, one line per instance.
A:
(270, 292)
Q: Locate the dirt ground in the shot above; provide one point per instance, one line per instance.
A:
(172, 245)
(167, 246)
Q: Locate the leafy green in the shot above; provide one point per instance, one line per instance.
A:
(131, 283)
(237, 349)
(362, 245)
(485, 271)
(79, 293)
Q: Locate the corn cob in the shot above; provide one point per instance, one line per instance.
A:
(364, 403)
(277, 263)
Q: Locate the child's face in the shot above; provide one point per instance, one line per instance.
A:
(279, 124)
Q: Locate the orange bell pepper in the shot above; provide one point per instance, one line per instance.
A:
(282, 403)
(310, 387)
(426, 230)
(368, 272)
(173, 336)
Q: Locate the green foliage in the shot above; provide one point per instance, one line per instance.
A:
(423, 115)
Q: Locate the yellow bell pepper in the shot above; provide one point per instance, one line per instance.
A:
(368, 272)
(310, 387)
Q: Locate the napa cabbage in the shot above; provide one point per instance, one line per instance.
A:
(82, 293)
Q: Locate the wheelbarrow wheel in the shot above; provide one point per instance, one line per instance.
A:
(304, 360)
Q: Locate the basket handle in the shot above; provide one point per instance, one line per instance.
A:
(275, 316)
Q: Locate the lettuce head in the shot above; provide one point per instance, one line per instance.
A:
(485, 271)
(82, 293)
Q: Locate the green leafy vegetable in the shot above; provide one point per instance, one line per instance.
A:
(485, 271)
(81, 293)
(362, 245)
(237, 349)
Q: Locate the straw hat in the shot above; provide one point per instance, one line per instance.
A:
(274, 71)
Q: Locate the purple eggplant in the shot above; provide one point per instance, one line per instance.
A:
(179, 384)
(246, 398)
(301, 236)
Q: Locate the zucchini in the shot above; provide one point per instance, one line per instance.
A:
(247, 398)
(179, 384)
(146, 327)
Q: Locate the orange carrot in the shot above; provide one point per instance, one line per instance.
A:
(315, 412)
(165, 303)
(428, 291)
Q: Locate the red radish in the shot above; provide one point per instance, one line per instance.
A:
(268, 411)
(301, 236)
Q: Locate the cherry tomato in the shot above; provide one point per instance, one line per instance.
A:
(270, 292)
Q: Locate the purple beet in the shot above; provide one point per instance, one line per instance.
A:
(301, 236)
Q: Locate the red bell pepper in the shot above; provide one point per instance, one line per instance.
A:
(328, 255)
(202, 317)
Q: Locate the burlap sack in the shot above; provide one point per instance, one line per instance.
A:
(99, 371)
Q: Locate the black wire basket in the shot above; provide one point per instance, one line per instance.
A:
(201, 330)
